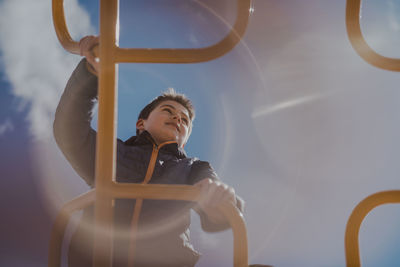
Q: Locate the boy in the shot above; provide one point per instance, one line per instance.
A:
(163, 128)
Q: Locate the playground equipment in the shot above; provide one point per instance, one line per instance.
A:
(356, 218)
(358, 42)
(107, 188)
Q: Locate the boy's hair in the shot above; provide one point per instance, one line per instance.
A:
(170, 94)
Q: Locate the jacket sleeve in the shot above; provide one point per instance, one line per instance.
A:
(201, 170)
(72, 131)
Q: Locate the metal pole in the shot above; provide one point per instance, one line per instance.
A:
(353, 8)
(106, 136)
(357, 217)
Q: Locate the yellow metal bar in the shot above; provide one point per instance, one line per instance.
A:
(61, 27)
(154, 191)
(191, 55)
(235, 218)
(106, 188)
(189, 193)
(60, 224)
(106, 136)
(356, 218)
(144, 55)
(358, 42)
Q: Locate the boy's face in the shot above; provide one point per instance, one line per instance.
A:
(169, 121)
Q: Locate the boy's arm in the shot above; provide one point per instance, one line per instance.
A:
(72, 131)
(213, 193)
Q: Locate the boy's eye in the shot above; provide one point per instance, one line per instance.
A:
(185, 121)
(168, 110)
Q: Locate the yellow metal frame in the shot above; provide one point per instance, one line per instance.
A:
(160, 55)
(61, 222)
(167, 192)
(106, 188)
(356, 218)
(358, 42)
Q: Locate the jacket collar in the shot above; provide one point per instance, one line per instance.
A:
(146, 139)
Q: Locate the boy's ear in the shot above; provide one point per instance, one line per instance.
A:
(140, 125)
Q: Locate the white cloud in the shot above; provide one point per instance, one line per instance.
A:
(6, 127)
(33, 60)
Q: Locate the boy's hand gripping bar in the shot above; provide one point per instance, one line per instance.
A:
(154, 191)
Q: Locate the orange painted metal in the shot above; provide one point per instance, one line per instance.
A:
(196, 54)
(153, 191)
(60, 224)
(357, 217)
(106, 188)
(145, 55)
(358, 42)
(61, 27)
(106, 136)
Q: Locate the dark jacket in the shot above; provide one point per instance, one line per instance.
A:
(163, 234)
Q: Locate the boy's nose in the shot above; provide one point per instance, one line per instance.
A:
(177, 117)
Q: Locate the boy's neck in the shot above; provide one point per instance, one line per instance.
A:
(151, 139)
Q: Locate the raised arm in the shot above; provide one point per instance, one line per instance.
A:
(72, 131)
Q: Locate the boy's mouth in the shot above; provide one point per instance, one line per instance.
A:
(173, 124)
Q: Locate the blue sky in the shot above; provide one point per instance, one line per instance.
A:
(293, 118)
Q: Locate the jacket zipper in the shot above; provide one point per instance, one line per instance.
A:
(139, 201)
